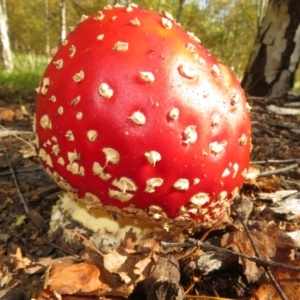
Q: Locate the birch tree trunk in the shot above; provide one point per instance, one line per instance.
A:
(63, 28)
(6, 50)
(275, 55)
(47, 34)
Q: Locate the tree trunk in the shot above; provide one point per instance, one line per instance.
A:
(47, 42)
(63, 26)
(260, 8)
(6, 51)
(275, 55)
(180, 10)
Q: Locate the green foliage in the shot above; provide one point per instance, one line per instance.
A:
(296, 87)
(26, 76)
(226, 27)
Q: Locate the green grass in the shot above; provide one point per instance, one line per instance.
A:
(28, 70)
(296, 87)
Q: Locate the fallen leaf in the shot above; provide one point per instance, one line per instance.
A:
(136, 265)
(24, 110)
(19, 261)
(274, 245)
(270, 184)
(20, 220)
(252, 174)
(289, 282)
(277, 196)
(288, 208)
(37, 219)
(143, 267)
(5, 275)
(115, 259)
(7, 114)
(9, 201)
(65, 278)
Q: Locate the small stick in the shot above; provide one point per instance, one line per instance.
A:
(61, 249)
(16, 134)
(92, 246)
(29, 170)
(15, 180)
(196, 243)
(274, 161)
(256, 251)
(163, 283)
(291, 196)
(280, 170)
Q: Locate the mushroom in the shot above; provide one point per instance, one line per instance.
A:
(159, 133)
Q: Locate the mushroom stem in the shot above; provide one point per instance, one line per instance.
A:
(105, 230)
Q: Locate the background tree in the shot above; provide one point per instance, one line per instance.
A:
(180, 11)
(226, 27)
(63, 20)
(47, 36)
(275, 56)
(6, 50)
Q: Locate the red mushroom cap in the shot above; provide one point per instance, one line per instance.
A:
(135, 115)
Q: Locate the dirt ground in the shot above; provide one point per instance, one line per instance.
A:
(26, 249)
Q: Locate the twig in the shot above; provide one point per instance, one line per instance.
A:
(163, 282)
(15, 133)
(280, 170)
(286, 126)
(61, 249)
(290, 197)
(196, 243)
(15, 179)
(275, 161)
(256, 251)
(92, 246)
(29, 170)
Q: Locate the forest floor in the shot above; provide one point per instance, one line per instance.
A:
(270, 206)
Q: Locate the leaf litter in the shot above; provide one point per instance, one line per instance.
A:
(45, 267)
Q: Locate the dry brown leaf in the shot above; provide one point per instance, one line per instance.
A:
(150, 244)
(7, 114)
(84, 280)
(251, 178)
(3, 195)
(24, 110)
(36, 218)
(19, 261)
(136, 265)
(115, 259)
(270, 184)
(65, 278)
(288, 280)
(274, 245)
(141, 265)
(128, 242)
(3, 247)
(5, 275)
(223, 222)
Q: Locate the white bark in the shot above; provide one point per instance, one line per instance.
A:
(47, 48)
(276, 52)
(260, 8)
(63, 26)
(6, 50)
